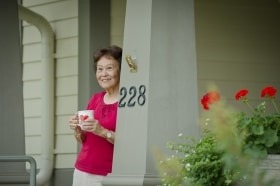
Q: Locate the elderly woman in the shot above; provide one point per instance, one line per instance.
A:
(97, 136)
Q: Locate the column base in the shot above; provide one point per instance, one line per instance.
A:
(131, 180)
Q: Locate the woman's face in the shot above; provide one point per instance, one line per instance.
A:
(108, 73)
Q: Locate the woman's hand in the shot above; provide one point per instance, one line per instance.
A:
(90, 126)
(73, 122)
(93, 126)
(96, 128)
(78, 132)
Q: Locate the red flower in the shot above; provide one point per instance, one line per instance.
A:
(209, 98)
(204, 102)
(268, 91)
(241, 94)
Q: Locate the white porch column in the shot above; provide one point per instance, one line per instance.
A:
(159, 101)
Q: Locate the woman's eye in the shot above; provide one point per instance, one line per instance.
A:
(99, 69)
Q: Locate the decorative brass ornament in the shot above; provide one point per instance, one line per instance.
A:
(132, 65)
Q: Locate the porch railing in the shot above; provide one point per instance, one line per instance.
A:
(19, 158)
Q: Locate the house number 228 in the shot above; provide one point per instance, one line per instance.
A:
(129, 96)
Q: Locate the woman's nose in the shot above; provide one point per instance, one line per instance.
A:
(104, 72)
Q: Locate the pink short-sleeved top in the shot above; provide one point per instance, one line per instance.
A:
(96, 154)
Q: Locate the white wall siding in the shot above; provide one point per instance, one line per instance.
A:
(29, 3)
(31, 52)
(30, 35)
(57, 10)
(66, 28)
(70, 63)
(31, 126)
(238, 45)
(63, 17)
(67, 47)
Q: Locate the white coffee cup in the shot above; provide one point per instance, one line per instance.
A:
(85, 115)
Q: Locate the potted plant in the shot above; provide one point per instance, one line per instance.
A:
(231, 145)
(261, 128)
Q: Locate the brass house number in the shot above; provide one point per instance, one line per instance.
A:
(131, 96)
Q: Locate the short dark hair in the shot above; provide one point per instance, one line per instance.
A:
(110, 51)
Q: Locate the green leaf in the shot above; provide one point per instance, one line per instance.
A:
(270, 137)
(257, 129)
